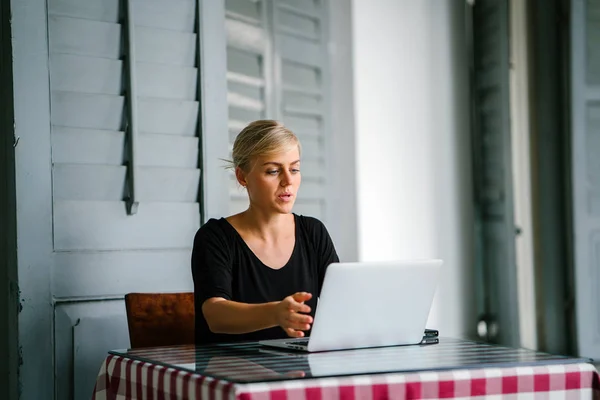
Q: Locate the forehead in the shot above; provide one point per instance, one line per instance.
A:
(280, 157)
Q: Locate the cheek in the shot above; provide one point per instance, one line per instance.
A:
(296, 180)
(261, 187)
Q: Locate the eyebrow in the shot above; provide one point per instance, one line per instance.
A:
(279, 164)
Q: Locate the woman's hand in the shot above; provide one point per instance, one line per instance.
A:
(291, 314)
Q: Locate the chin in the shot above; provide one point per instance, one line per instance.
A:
(285, 209)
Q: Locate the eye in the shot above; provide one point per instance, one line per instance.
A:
(272, 172)
(295, 170)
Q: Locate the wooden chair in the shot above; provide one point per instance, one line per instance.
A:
(160, 319)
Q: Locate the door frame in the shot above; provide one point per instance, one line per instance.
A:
(9, 333)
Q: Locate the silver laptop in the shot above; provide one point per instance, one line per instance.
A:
(370, 304)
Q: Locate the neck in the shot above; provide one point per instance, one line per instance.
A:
(267, 226)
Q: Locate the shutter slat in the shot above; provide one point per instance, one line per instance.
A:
(296, 24)
(246, 64)
(244, 115)
(167, 81)
(105, 182)
(74, 73)
(168, 116)
(84, 37)
(302, 103)
(87, 146)
(304, 125)
(178, 15)
(165, 47)
(312, 169)
(300, 50)
(103, 39)
(312, 148)
(244, 10)
(168, 184)
(255, 93)
(105, 225)
(88, 182)
(168, 151)
(105, 10)
(233, 77)
(245, 102)
(83, 110)
(308, 8)
(300, 76)
(244, 36)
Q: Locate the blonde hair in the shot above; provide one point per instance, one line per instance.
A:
(261, 138)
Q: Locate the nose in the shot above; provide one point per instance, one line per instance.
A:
(286, 178)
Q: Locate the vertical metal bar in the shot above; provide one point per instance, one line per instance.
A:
(131, 131)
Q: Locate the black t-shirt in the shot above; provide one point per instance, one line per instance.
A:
(224, 266)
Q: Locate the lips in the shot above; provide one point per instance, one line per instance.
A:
(286, 196)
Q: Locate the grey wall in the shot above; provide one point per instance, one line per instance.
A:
(8, 230)
(343, 224)
(412, 144)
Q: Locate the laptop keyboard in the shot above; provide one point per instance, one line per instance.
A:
(299, 342)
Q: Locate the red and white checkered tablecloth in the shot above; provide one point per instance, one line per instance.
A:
(124, 378)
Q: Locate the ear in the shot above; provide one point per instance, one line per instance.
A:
(240, 176)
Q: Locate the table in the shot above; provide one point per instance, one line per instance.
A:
(248, 371)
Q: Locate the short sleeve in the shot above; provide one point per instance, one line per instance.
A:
(326, 250)
(322, 244)
(211, 263)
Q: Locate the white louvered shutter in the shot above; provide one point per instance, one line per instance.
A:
(277, 68)
(248, 76)
(101, 252)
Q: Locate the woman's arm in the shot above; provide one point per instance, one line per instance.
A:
(227, 316)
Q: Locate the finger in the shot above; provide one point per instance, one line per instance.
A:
(299, 307)
(302, 296)
(299, 326)
(298, 318)
(295, 374)
(294, 333)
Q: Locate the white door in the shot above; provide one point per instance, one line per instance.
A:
(585, 153)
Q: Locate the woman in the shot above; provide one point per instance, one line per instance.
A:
(257, 274)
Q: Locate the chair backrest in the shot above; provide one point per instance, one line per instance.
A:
(160, 319)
